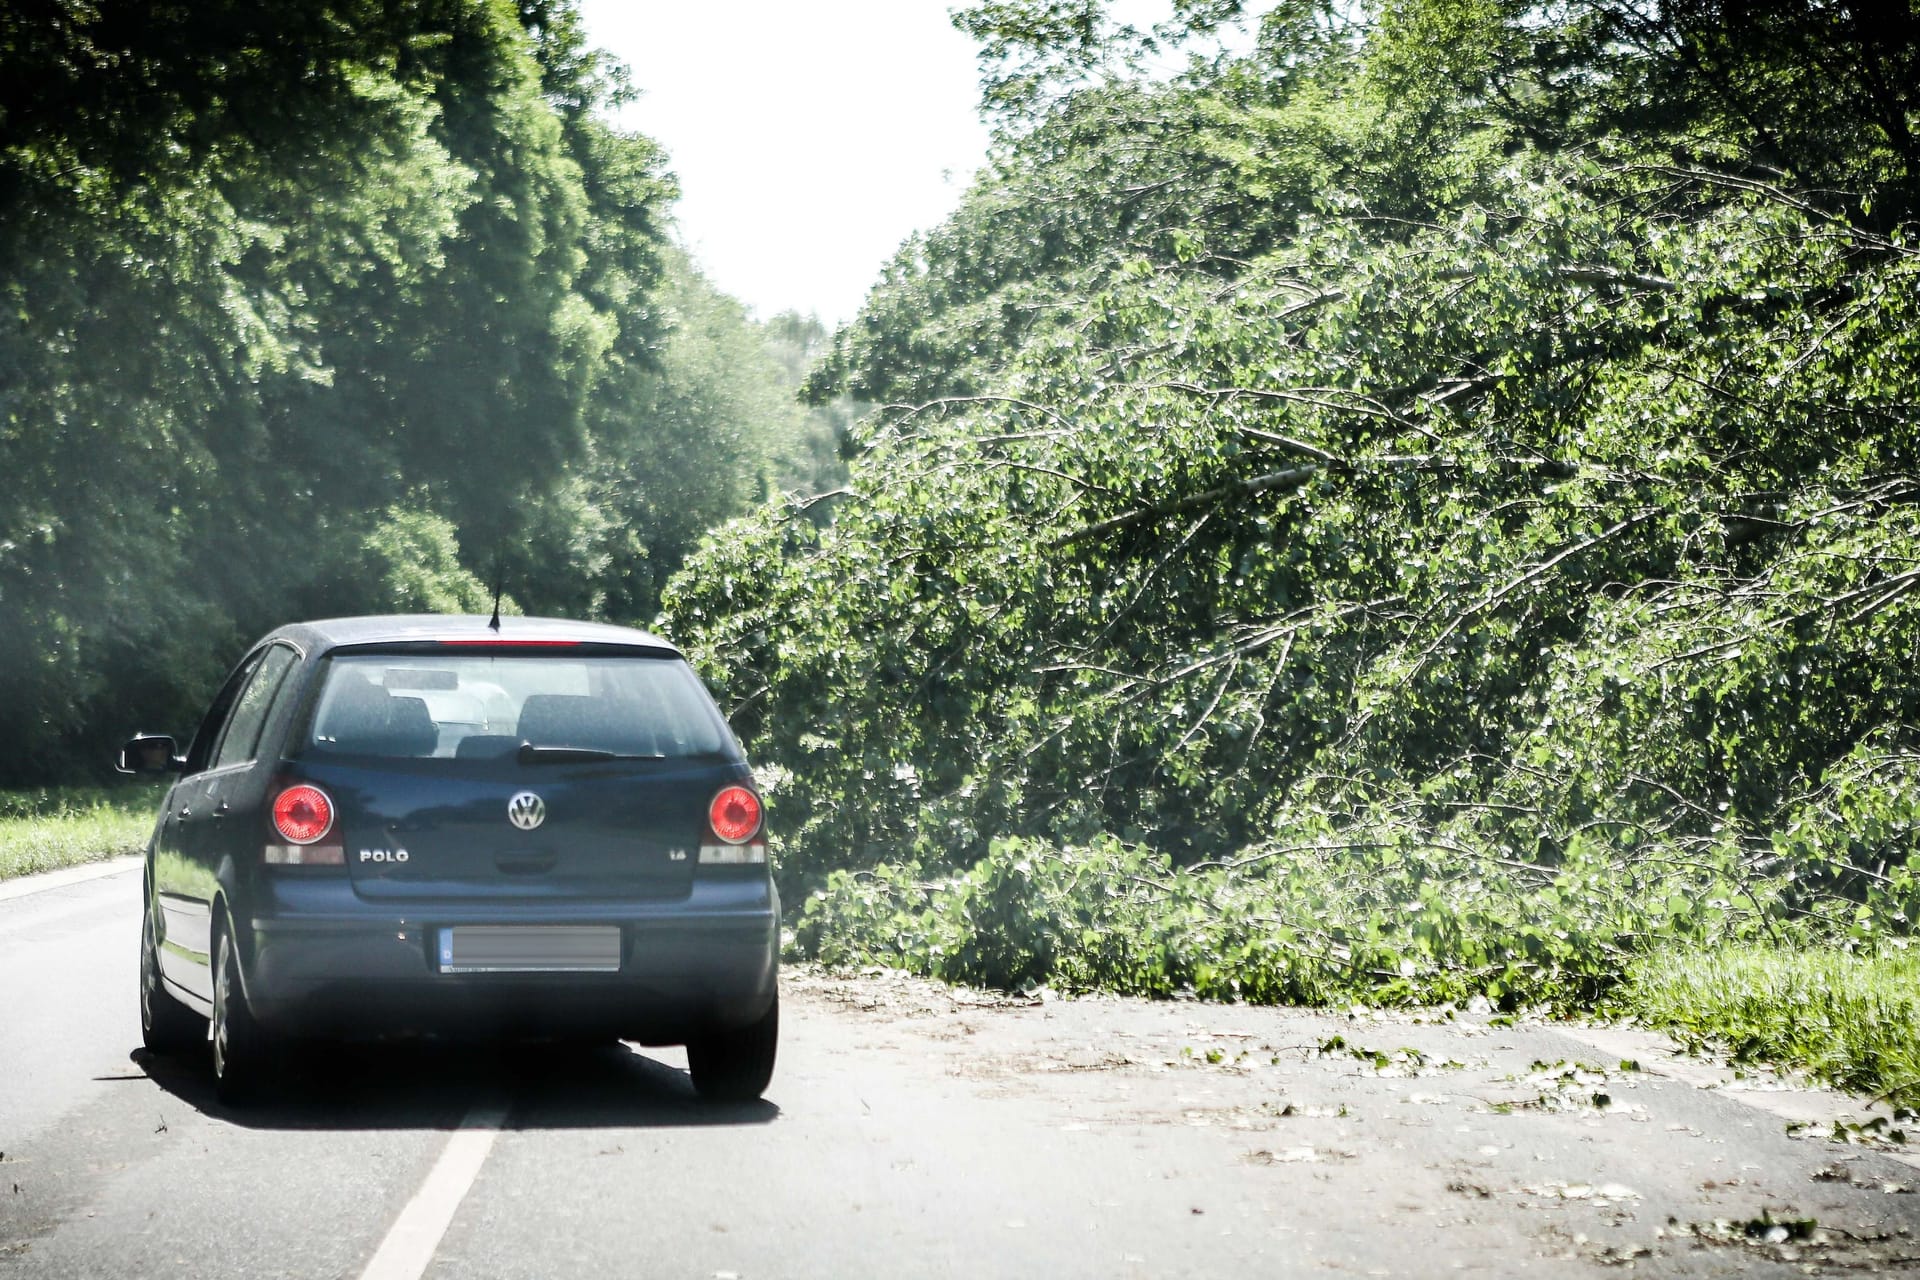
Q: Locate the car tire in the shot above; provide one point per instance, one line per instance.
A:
(736, 1066)
(167, 1027)
(242, 1049)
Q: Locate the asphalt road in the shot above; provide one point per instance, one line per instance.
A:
(910, 1131)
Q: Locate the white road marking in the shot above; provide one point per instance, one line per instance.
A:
(24, 885)
(408, 1250)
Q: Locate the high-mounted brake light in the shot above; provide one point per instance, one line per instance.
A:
(511, 644)
(302, 814)
(735, 814)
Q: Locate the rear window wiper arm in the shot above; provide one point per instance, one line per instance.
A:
(530, 754)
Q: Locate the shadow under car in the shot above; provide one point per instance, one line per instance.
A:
(432, 1084)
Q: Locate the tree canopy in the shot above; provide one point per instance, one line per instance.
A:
(1478, 437)
(329, 308)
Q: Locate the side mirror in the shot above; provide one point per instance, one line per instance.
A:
(150, 753)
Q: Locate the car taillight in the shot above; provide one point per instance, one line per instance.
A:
(734, 817)
(302, 814)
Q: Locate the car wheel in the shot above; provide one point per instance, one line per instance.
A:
(167, 1027)
(242, 1050)
(736, 1066)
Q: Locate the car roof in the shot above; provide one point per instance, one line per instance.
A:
(333, 633)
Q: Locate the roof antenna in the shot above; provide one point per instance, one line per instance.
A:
(499, 579)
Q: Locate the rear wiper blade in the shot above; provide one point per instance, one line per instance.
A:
(530, 754)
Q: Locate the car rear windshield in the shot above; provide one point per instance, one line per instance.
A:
(483, 706)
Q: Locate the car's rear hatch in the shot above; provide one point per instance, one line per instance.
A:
(443, 829)
(466, 776)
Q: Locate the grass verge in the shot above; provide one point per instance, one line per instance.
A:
(1849, 1020)
(55, 827)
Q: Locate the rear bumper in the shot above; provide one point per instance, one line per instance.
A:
(323, 962)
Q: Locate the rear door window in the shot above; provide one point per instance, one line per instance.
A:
(467, 706)
(241, 738)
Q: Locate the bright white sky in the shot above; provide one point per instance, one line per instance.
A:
(810, 137)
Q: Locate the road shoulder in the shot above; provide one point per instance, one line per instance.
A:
(40, 882)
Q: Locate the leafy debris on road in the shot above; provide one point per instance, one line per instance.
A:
(1878, 1131)
(1563, 1087)
(1580, 1245)
(1299, 1155)
(1404, 1061)
(1784, 1237)
(1842, 1172)
(1554, 1189)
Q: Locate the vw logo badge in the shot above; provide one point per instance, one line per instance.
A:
(526, 811)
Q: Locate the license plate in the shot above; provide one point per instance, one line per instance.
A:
(523, 948)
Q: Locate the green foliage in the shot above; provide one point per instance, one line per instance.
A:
(53, 827)
(413, 560)
(809, 460)
(333, 308)
(1376, 912)
(1849, 1019)
(1386, 447)
(1168, 633)
(706, 427)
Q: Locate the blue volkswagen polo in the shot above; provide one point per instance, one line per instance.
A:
(437, 825)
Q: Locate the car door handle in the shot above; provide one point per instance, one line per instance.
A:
(184, 813)
(223, 810)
